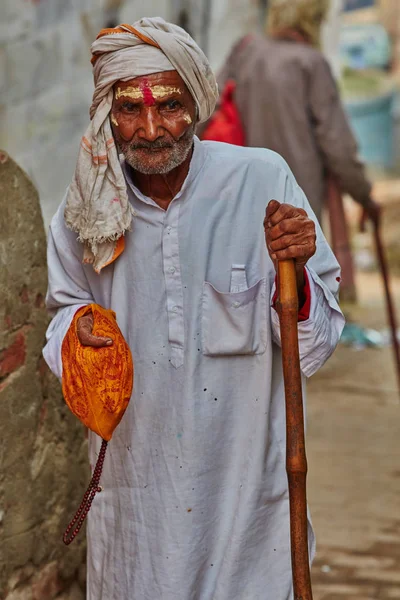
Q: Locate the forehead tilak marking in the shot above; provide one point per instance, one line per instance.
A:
(148, 97)
(158, 91)
(129, 92)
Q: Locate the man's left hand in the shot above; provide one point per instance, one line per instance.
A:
(289, 233)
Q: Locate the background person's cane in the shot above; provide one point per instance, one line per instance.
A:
(296, 462)
(389, 300)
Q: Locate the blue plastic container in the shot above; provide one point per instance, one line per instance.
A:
(365, 46)
(373, 124)
(357, 4)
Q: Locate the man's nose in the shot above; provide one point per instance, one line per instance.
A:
(150, 128)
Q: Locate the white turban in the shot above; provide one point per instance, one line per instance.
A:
(97, 202)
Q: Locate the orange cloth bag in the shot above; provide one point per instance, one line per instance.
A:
(97, 386)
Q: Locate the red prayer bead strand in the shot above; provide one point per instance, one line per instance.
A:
(88, 497)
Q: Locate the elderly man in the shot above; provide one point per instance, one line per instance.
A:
(194, 501)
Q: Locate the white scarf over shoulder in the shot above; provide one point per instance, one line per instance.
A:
(97, 203)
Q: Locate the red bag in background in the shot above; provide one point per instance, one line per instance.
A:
(225, 124)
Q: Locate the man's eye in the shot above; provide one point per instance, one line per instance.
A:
(129, 106)
(171, 105)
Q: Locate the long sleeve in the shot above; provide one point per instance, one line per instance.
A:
(320, 333)
(333, 134)
(68, 289)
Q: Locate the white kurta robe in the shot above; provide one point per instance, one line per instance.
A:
(195, 497)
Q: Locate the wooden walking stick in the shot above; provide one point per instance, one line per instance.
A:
(296, 462)
(389, 301)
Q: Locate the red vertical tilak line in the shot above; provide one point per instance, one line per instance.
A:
(147, 93)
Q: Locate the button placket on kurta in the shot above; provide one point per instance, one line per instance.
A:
(173, 282)
(171, 268)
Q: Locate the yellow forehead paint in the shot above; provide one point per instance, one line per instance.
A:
(139, 93)
(159, 91)
(114, 120)
(130, 92)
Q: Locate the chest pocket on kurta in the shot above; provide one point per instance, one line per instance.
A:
(234, 322)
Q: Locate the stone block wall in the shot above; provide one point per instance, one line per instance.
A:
(43, 465)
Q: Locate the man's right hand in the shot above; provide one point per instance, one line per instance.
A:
(85, 335)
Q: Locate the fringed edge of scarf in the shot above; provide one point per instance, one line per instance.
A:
(92, 253)
(92, 241)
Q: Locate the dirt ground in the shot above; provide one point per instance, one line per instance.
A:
(353, 443)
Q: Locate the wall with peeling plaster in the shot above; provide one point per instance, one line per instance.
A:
(43, 465)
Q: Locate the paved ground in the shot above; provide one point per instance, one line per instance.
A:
(354, 468)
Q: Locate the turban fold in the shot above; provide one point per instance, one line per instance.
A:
(97, 205)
